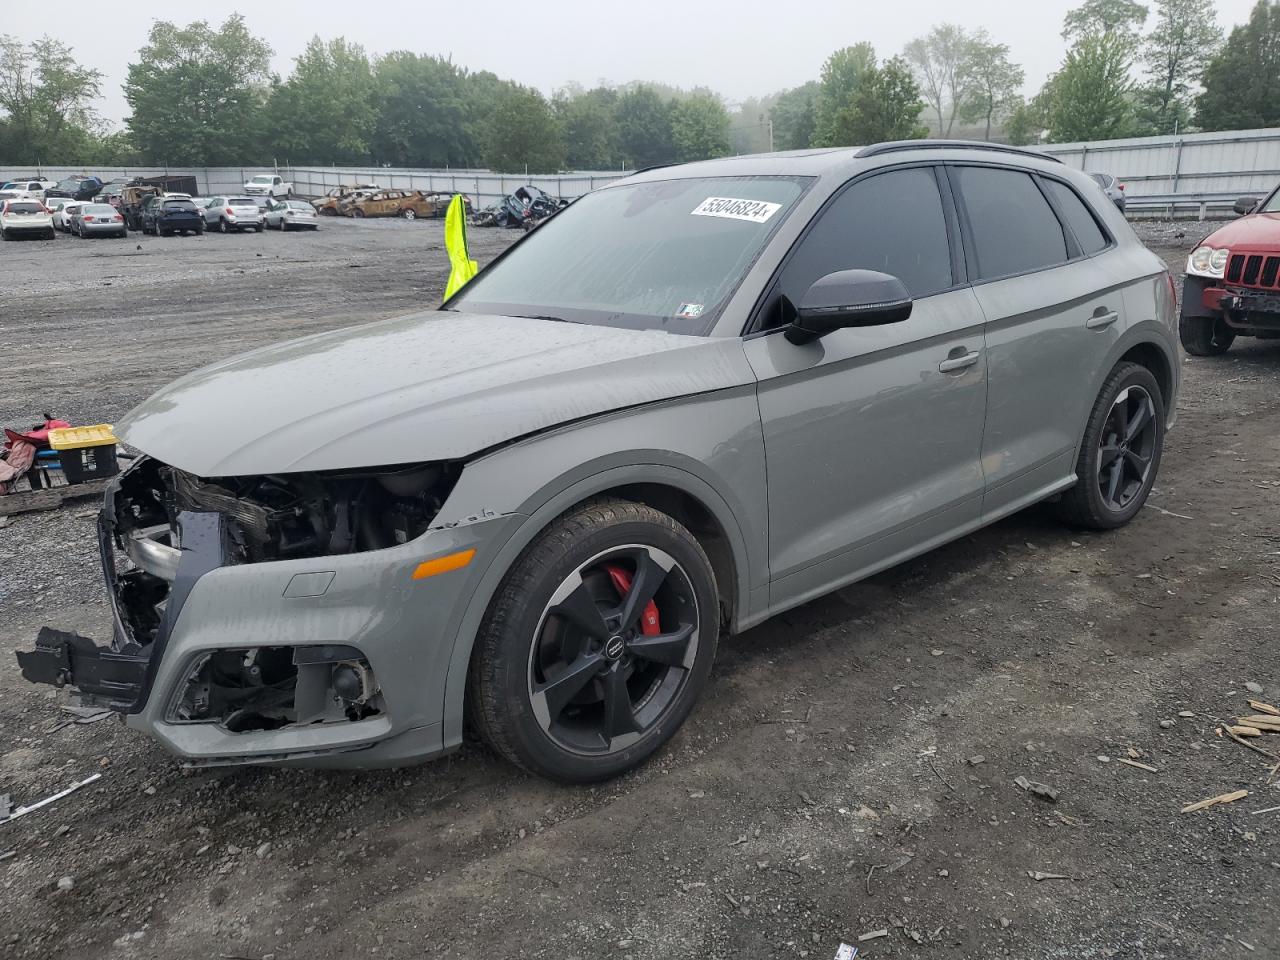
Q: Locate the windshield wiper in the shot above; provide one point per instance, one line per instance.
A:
(538, 316)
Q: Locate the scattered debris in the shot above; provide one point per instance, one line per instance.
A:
(1039, 875)
(13, 853)
(1141, 766)
(263, 851)
(1005, 923)
(873, 935)
(976, 759)
(846, 952)
(1042, 790)
(22, 811)
(1166, 724)
(1214, 801)
(65, 884)
(1185, 714)
(1265, 810)
(1264, 708)
(1253, 687)
(1245, 731)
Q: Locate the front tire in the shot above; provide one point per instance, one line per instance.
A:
(1120, 453)
(1205, 336)
(597, 644)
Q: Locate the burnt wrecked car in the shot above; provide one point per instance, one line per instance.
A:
(522, 208)
(693, 399)
(1232, 287)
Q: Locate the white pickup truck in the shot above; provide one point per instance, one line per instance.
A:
(268, 185)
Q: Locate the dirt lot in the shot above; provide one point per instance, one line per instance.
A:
(827, 787)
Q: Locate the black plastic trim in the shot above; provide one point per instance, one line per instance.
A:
(896, 146)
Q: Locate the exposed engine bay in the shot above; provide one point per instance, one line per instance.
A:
(153, 508)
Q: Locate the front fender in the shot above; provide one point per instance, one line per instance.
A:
(718, 460)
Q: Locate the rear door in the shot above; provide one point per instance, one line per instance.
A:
(872, 435)
(1054, 305)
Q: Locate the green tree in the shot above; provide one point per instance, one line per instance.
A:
(590, 125)
(943, 59)
(523, 134)
(1091, 93)
(644, 125)
(1242, 82)
(44, 102)
(885, 106)
(841, 74)
(749, 125)
(197, 94)
(795, 117)
(1116, 17)
(1029, 119)
(699, 128)
(991, 82)
(423, 117)
(325, 112)
(1175, 54)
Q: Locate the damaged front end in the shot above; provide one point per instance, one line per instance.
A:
(162, 529)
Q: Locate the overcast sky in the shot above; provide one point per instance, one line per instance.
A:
(741, 48)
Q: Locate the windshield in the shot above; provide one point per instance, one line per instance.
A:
(664, 255)
(1273, 203)
(260, 180)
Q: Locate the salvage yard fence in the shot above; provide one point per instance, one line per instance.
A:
(1188, 174)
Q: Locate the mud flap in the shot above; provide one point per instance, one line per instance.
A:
(114, 679)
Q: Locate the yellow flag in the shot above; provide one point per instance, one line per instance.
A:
(455, 241)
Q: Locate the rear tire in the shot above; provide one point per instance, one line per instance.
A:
(1205, 336)
(1117, 466)
(409, 213)
(627, 703)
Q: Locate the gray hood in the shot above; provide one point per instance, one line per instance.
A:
(428, 386)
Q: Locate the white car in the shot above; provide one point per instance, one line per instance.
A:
(25, 217)
(291, 214)
(31, 189)
(269, 185)
(61, 209)
(226, 214)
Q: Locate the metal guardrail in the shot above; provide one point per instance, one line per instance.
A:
(1169, 205)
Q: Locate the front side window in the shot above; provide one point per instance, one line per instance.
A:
(891, 222)
(665, 255)
(1013, 228)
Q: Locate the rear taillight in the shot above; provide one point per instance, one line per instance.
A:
(230, 211)
(87, 218)
(118, 219)
(1120, 185)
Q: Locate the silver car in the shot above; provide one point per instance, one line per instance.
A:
(291, 215)
(230, 214)
(690, 401)
(98, 220)
(1112, 187)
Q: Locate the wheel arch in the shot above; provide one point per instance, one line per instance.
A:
(1149, 345)
(677, 492)
(1147, 354)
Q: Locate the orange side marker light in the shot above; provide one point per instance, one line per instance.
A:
(452, 561)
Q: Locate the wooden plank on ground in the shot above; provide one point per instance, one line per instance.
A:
(50, 499)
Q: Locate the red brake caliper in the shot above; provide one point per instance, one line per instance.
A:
(621, 578)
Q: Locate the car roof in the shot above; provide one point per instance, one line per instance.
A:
(846, 161)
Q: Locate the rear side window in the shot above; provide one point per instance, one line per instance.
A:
(891, 222)
(1076, 212)
(1013, 228)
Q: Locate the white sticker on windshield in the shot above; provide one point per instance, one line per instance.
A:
(756, 211)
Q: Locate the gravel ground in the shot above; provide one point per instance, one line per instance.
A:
(850, 770)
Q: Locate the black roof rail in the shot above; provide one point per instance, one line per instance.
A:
(894, 146)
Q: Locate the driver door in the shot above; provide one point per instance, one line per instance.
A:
(873, 435)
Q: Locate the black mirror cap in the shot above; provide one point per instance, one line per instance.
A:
(1246, 205)
(849, 298)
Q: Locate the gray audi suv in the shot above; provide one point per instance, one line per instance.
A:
(687, 402)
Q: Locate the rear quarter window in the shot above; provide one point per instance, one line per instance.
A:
(1078, 216)
(1011, 225)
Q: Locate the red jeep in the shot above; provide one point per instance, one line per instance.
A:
(1233, 281)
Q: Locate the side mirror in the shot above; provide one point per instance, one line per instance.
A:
(849, 298)
(1246, 205)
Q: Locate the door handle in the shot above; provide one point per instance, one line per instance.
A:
(952, 364)
(1100, 321)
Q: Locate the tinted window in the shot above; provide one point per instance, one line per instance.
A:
(1014, 228)
(1079, 219)
(892, 222)
(180, 205)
